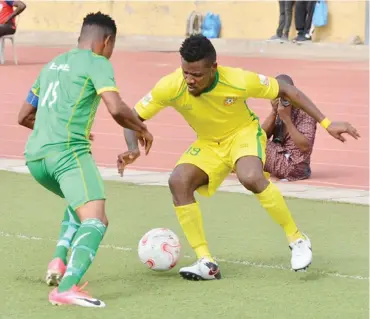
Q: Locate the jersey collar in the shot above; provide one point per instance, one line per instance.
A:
(209, 89)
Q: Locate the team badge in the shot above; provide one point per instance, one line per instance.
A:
(230, 101)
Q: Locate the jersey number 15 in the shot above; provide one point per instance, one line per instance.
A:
(50, 96)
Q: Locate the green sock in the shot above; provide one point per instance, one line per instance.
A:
(84, 248)
(70, 225)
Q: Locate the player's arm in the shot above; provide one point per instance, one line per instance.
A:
(298, 99)
(151, 104)
(121, 113)
(27, 113)
(144, 110)
(260, 86)
(20, 6)
(102, 76)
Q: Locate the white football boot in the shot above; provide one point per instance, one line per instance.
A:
(203, 269)
(301, 253)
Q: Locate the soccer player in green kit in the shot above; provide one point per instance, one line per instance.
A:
(60, 109)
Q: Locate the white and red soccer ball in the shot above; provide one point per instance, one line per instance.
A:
(159, 249)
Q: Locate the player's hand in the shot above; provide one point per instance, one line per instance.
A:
(336, 129)
(126, 158)
(146, 140)
(91, 137)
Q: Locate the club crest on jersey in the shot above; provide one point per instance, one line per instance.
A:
(229, 101)
(264, 80)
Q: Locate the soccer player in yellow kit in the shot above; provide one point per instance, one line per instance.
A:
(212, 99)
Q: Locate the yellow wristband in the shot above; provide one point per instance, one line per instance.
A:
(325, 123)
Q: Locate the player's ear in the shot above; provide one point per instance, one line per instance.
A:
(107, 39)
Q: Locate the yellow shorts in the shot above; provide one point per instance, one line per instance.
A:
(217, 160)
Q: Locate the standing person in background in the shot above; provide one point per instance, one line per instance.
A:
(8, 14)
(303, 20)
(285, 21)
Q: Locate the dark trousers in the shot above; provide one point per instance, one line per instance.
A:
(285, 19)
(303, 16)
(6, 29)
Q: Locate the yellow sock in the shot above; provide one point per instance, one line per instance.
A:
(191, 221)
(272, 200)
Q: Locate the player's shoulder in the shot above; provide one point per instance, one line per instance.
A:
(233, 77)
(240, 78)
(170, 86)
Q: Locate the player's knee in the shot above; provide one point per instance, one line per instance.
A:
(93, 210)
(253, 180)
(181, 188)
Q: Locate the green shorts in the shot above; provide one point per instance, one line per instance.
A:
(70, 175)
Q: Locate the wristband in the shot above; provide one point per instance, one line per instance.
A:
(325, 123)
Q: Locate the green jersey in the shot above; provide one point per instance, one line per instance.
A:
(68, 90)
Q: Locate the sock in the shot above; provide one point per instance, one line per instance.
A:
(272, 200)
(191, 221)
(84, 248)
(70, 225)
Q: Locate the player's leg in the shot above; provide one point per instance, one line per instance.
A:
(70, 223)
(198, 169)
(83, 188)
(249, 163)
(57, 266)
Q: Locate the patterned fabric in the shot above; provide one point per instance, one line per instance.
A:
(286, 161)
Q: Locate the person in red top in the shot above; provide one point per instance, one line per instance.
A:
(8, 14)
(288, 153)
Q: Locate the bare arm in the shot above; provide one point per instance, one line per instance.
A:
(20, 7)
(121, 113)
(131, 137)
(301, 101)
(27, 115)
(269, 124)
(298, 138)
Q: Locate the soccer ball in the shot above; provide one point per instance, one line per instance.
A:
(159, 249)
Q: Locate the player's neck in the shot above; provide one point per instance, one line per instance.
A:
(212, 83)
(88, 45)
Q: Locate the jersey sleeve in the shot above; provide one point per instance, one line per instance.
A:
(102, 75)
(156, 100)
(9, 2)
(260, 86)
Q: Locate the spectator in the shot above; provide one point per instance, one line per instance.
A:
(8, 14)
(303, 20)
(288, 154)
(285, 21)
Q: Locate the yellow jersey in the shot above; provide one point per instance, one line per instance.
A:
(217, 113)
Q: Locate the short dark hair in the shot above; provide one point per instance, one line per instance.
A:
(101, 20)
(286, 78)
(198, 47)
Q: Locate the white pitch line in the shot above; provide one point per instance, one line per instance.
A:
(234, 262)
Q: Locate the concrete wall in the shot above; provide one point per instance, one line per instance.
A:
(240, 19)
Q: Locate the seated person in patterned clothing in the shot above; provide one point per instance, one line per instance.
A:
(288, 152)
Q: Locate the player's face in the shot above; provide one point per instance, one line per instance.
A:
(198, 75)
(109, 46)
